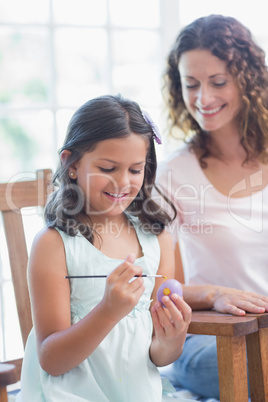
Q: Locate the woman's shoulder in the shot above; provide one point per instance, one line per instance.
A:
(178, 160)
(182, 152)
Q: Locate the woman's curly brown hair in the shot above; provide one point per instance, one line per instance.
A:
(227, 39)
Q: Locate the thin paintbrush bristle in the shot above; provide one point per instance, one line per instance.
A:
(105, 276)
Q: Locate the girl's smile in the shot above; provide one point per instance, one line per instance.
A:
(116, 196)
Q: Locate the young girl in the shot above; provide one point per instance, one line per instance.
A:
(95, 339)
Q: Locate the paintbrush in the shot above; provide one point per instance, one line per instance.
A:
(105, 276)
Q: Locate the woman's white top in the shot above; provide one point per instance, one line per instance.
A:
(223, 240)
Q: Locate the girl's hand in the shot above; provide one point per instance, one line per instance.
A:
(122, 292)
(238, 302)
(170, 328)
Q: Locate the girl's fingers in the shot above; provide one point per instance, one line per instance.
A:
(171, 320)
(183, 307)
(136, 284)
(162, 325)
(155, 317)
(127, 270)
(178, 308)
(130, 272)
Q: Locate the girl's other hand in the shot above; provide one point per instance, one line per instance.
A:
(170, 327)
(123, 290)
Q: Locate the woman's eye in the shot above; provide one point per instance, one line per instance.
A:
(106, 170)
(219, 84)
(193, 86)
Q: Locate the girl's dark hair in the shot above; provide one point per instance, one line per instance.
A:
(227, 39)
(99, 119)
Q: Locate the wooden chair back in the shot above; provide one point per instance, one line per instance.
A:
(13, 197)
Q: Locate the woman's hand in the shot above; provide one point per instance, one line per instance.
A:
(238, 302)
(224, 299)
(121, 292)
(170, 328)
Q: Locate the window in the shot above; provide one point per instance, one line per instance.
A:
(55, 55)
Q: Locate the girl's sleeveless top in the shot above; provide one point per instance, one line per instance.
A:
(120, 369)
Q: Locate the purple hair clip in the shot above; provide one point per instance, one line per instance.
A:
(148, 119)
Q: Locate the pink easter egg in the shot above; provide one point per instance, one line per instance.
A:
(168, 288)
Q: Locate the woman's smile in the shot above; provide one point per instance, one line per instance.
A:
(209, 112)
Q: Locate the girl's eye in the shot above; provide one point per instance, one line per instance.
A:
(106, 170)
(135, 171)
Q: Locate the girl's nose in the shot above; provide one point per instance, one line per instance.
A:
(122, 179)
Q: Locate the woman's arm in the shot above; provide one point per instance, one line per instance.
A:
(220, 298)
(224, 299)
(62, 346)
(171, 323)
(179, 273)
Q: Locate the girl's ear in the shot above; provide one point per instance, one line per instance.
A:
(65, 154)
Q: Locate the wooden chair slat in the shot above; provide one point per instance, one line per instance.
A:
(14, 197)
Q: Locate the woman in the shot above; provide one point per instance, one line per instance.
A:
(216, 90)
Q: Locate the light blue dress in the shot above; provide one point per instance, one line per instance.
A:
(120, 369)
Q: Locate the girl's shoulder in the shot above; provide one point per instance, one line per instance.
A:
(48, 236)
(164, 238)
(47, 252)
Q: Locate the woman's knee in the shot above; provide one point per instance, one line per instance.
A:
(197, 368)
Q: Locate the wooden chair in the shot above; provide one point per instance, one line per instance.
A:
(231, 335)
(235, 336)
(14, 197)
(257, 352)
(231, 332)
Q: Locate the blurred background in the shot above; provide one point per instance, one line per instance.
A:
(57, 54)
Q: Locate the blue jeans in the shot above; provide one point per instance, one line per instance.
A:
(197, 367)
